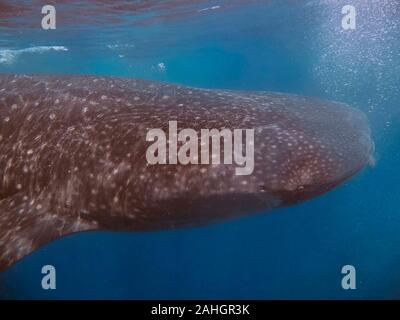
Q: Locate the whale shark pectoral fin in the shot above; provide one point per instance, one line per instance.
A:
(26, 225)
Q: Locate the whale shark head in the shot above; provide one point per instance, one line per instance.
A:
(310, 147)
(303, 147)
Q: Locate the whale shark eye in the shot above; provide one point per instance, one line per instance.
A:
(263, 188)
(300, 188)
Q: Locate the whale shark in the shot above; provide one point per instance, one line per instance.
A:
(73, 156)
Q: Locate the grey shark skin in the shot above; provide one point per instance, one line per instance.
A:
(72, 156)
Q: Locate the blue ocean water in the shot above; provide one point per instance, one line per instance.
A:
(287, 46)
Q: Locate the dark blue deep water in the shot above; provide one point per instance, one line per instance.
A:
(288, 46)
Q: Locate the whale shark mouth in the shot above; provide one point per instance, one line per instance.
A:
(192, 211)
